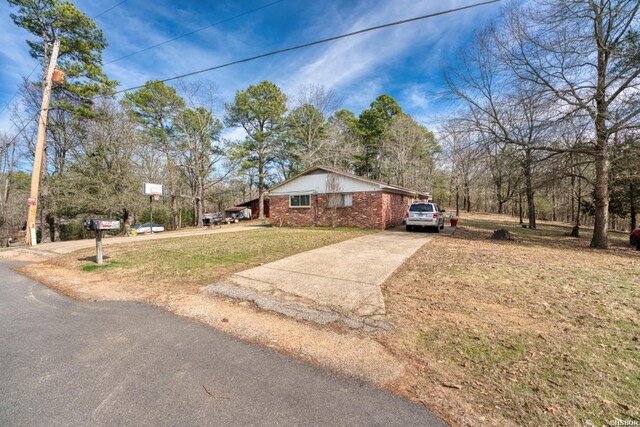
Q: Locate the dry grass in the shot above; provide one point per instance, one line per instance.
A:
(541, 330)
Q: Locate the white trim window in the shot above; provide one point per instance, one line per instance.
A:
(300, 201)
(341, 200)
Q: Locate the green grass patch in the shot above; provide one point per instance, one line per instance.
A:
(478, 350)
(107, 265)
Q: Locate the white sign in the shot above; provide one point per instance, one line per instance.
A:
(152, 189)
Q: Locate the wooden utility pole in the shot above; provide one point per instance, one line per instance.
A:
(30, 238)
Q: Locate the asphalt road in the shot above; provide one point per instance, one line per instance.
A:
(64, 362)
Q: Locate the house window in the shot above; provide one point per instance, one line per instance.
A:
(340, 200)
(300, 201)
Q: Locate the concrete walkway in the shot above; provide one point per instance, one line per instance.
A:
(340, 282)
(57, 248)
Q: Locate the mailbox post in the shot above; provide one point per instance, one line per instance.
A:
(99, 260)
(99, 225)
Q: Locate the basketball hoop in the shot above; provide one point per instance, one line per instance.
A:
(152, 190)
(156, 197)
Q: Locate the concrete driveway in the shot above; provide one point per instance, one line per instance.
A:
(339, 282)
(70, 363)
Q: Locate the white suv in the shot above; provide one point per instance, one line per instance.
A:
(424, 214)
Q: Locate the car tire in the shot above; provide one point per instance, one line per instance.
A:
(409, 228)
(437, 229)
(633, 241)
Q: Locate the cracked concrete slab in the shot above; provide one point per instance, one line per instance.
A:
(339, 282)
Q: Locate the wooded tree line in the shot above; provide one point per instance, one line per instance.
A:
(550, 114)
(101, 149)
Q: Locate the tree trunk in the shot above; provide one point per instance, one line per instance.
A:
(600, 238)
(632, 205)
(260, 186)
(579, 203)
(126, 219)
(5, 192)
(601, 197)
(498, 183)
(200, 203)
(457, 201)
(531, 207)
(175, 216)
(467, 197)
(573, 197)
(528, 182)
(56, 229)
(520, 212)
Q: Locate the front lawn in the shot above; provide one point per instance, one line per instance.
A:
(159, 267)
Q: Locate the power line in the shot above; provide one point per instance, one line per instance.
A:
(317, 42)
(36, 66)
(109, 9)
(17, 91)
(193, 32)
(27, 123)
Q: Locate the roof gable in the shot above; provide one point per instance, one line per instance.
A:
(310, 180)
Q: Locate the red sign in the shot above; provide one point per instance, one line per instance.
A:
(31, 201)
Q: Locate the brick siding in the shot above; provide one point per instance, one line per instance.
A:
(395, 208)
(368, 210)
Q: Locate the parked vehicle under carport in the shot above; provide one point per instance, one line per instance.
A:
(209, 219)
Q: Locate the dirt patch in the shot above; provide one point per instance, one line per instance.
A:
(25, 255)
(74, 285)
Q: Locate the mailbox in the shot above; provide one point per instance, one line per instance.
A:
(98, 224)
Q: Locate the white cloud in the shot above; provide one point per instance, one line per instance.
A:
(416, 97)
(355, 61)
(358, 68)
(234, 134)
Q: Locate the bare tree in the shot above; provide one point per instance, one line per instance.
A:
(503, 108)
(584, 55)
(334, 198)
(505, 172)
(342, 141)
(308, 125)
(409, 153)
(199, 149)
(463, 152)
(10, 216)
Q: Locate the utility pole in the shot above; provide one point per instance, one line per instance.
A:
(30, 238)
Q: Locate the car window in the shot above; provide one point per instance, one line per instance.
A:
(421, 207)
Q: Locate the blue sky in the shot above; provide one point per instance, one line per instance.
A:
(404, 61)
